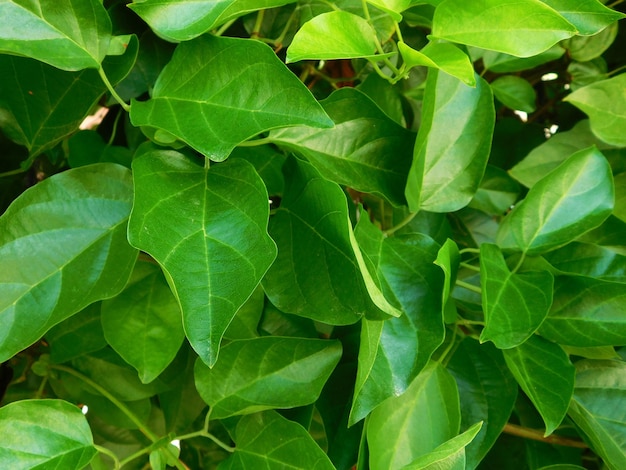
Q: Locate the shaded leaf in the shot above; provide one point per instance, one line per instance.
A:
(588, 16)
(497, 192)
(515, 93)
(586, 259)
(587, 48)
(499, 62)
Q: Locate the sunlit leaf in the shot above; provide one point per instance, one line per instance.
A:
(441, 55)
(588, 16)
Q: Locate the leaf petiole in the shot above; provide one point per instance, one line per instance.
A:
(468, 286)
(117, 97)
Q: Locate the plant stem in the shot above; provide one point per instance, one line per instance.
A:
(117, 97)
(395, 228)
(12, 172)
(537, 435)
(469, 266)
(475, 251)
(224, 27)
(134, 456)
(111, 455)
(256, 29)
(41, 388)
(114, 131)
(468, 286)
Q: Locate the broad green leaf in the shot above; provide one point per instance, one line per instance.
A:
(605, 104)
(586, 259)
(385, 95)
(246, 321)
(181, 20)
(365, 150)
(587, 48)
(586, 312)
(588, 16)
(44, 434)
(268, 163)
(505, 63)
(203, 90)
(448, 456)
(333, 35)
(515, 93)
(317, 273)
(488, 24)
(515, 304)
(597, 408)
(427, 414)
(572, 199)
(497, 192)
(267, 440)
(487, 392)
(63, 246)
(546, 375)
(207, 228)
(620, 197)
(440, 55)
(272, 372)
(452, 145)
(87, 147)
(67, 34)
(143, 323)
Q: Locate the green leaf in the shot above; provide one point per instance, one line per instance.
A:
(514, 304)
(333, 35)
(365, 150)
(588, 16)
(515, 93)
(572, 199)
(487, 392)
(267, 440)
(497, 192)
(268, 163)
(605, 104)
(597, 409)
(202, 90)
(448, 260)
(87, 147)
(427, 413)
(546, 375)
(245, 323)
(586, 259)
(313, 233)
(487, 24)
(505, 63)
(44, 434)
(587, 48)
(207, 228)
(272, 372)
(586, 312)
(441, 55)
(67, 34)
(181, 20)
(452, 145)
(63, 246)
(143, 323)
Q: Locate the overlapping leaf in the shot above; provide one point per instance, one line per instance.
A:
(441, 55)
(588, 16)
(203, 91)
(272, 372)
(515, 93)
(589, 260)
(208, 230)
(63, 246)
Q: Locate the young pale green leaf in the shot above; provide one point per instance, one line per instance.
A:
(605, 104)
(143, 323)
(365, 150)
(597, 408)
(448, 260)
(333, 35)
(587, 312)
(514, 304)
(448, 456)
(427, 413)
(588, 16)
(44, 434)
(317, 274)
(267, 440)
(452, 145)
(586, 259)
(272, 372)
(440, 55)
(181, 20)
(487, 24)
(202, 91)
(487, 392)
(394, 7)
(67, 34)
(572, 199)
(63, 246)
(207, 228)
(546, 375)
(515, 93)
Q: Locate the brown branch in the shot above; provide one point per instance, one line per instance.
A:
(537, 435)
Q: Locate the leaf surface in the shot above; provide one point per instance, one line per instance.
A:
(590, 260)
(588, 16)
(515, 93)
(441, 55)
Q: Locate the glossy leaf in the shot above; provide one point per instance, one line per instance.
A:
(499, 62)
(75, 40)
(588, 48)
(365, 150)
(605, 104)
(313, 233)
(267, 440)
(597, 409)
(44, 434)
(515, 93)
(181, 20)
(143, 323)
(201, 90)
(63, 246)
(572, 199)
(589, 260)
(452, 145)
(497, 192)
(587, 312)
(441, 55)
(484, 24)
(515, 304)
(186, 217)
(588, 16)
(546, 375)
(272, 372)
(428, 414)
